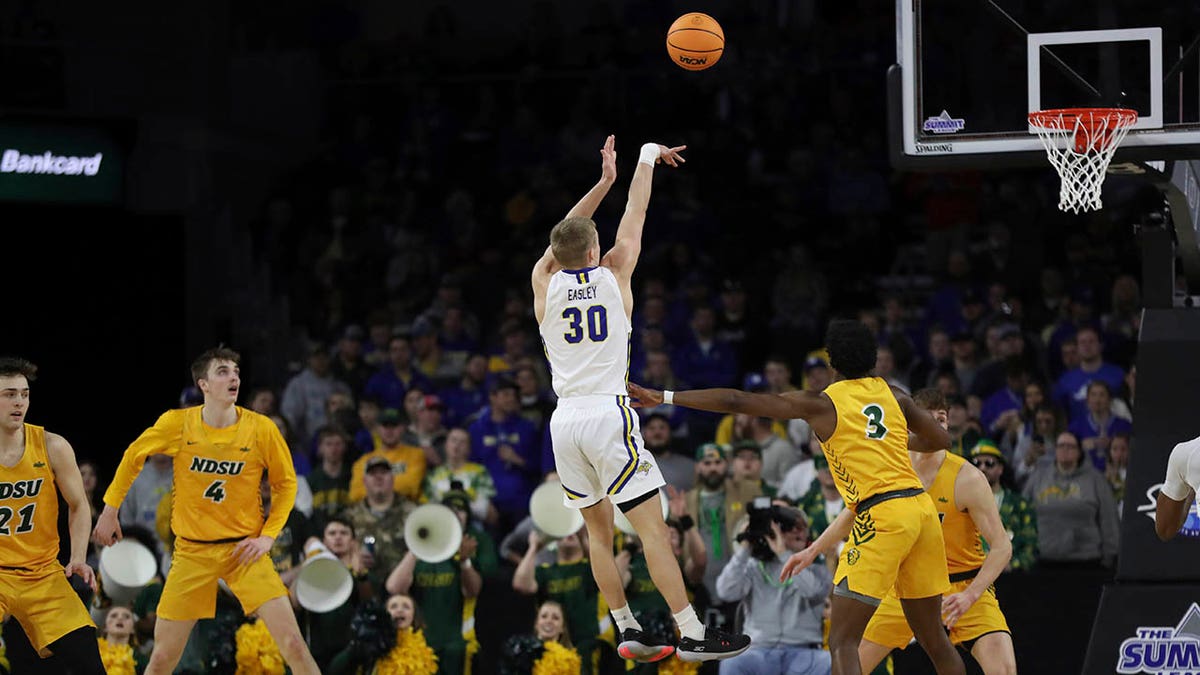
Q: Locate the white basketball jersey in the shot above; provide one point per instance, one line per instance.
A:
(1183, 470)
(586, 333)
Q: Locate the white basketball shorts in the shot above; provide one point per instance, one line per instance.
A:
(598, 451)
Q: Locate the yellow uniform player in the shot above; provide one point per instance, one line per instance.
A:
(967, 510)
(35, 467)
(964, 500)
(220, 452)
(863, 426)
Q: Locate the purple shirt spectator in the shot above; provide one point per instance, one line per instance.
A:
(508, 445)
(1088, 427)
(392, 382)
(707, 361)
(996, 405)
(1071, 391)
(470, 396)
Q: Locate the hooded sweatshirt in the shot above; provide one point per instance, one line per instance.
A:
(778, 614)
(1076, 514)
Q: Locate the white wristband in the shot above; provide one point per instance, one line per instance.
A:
(650, 154)
(668, 397)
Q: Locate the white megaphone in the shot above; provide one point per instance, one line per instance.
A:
(550, 516)
(125, 568)
(622, 523)
(324, 582)
(433, 533)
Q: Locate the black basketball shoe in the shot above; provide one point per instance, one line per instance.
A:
(717, 645)
(638, 646)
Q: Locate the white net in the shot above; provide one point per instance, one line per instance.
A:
(1080, 143)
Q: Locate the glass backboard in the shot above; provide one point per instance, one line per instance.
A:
(968, 72)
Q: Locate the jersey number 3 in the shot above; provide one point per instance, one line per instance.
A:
(597, 324)
(875, 428)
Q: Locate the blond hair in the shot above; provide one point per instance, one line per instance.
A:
(571, 239)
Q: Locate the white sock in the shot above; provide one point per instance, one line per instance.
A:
(689, 624)
(624, 618)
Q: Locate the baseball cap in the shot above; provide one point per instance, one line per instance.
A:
(432, 402)
(354, 332)
(502, 383)
(709, 451)
(422, 327)
(815, 362)
(376, 462)
(754, 382)
(987, 447)
(746, 444)
(390, 417)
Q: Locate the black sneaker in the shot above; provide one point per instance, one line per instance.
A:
(717, 645)
(638, 646)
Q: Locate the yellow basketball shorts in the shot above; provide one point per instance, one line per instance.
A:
(190, 591)
(889, 628)
(894, 544)
(44, 602)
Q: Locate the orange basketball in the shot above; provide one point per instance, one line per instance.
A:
(695, 41)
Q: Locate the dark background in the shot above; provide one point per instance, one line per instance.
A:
(231, 105)
(94, 299)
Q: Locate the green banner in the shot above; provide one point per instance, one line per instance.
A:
(60, 163)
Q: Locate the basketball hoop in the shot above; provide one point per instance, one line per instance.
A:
(1080, 143)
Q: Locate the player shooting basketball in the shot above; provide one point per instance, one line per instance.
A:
(583, 303)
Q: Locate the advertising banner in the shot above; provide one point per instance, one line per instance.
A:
(1142, 629)
(52, 162)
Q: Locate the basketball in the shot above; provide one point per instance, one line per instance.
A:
(695, 41)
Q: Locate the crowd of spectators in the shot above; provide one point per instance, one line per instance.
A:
(393, 408)
(405, 246)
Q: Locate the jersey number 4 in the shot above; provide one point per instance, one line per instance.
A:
(216, 491)
(597, 324)
(26, 524)
(875, 428)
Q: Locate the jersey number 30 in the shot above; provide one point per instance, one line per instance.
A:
(597, 324)
(875, 428)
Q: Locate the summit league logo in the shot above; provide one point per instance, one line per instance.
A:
(1164, 650)
(944, 124)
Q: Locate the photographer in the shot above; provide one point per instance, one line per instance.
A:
(783, 619)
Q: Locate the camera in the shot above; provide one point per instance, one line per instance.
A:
(762, 513)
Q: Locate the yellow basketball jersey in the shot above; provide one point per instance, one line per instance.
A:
(964, 548)
(29, 507)
(868, 451)
(217, 472)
